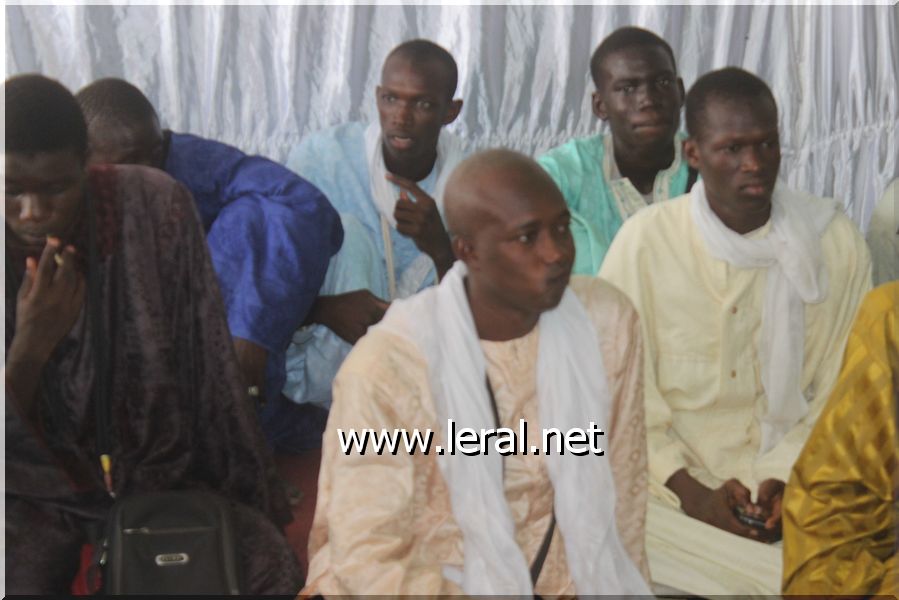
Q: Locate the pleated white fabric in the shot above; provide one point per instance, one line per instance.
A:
(261, 77)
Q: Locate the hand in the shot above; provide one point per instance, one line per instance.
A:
(716, 507)
(420, 220)
(47, 306)
(769, 500)
(349, 315)
(49, 299)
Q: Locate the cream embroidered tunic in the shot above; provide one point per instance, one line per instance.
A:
(384, 524)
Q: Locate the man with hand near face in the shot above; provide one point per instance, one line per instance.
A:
(387, 180)
(506, 335)
(109, 287)
(746, 291)
(606, 178)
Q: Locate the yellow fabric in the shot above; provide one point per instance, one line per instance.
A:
(384, 525)
(701, 319)
(840, 510)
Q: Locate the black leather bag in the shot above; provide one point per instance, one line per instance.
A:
(178, 543)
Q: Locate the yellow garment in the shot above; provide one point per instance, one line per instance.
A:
(840, 510)
(701, 321)
(384, 524)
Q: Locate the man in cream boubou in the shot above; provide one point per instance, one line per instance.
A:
(555, 355)
(746, 290)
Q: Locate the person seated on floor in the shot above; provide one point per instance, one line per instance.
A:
(841, 506)
(270, 233)
(883, 236)
(606, 178)
(115, 249)
(506, 336)
(386, 179)
(746, 291)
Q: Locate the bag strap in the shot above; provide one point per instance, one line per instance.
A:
(543, 551)
(99, 394)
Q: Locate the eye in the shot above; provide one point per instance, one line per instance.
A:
(388, 97)
(563, 227)
(664, 82)
(628, 89)
(733, 148)
(425, 104)
(769, 144)
(527, 238)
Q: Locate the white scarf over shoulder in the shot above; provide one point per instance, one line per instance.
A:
(791, 251)
(385, 195)
(572, 391)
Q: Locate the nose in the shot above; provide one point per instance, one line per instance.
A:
(551, 249)
(647, 96)
(402, 113)
(749, 161)
(32, 208)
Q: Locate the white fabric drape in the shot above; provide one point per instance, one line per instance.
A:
(260, 77)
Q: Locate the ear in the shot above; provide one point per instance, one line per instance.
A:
(599, 105)
(452, 112)
(464, 250)
(691, 152)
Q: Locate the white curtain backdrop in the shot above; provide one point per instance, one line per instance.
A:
(261, 77)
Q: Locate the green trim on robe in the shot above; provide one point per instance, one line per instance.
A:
(577, 168)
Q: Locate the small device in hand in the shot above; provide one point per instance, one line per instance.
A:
(749, 520)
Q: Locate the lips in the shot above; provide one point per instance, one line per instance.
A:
(654, 124)
(755, 188)
(400, 142)
(559, 280)
(32, 238)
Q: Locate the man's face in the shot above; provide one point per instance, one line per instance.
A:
(640, 95)
(43, 195)
(523, 253)
(138, 143)
(413, 105)
(737, 152)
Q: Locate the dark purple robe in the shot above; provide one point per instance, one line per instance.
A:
(180, 418)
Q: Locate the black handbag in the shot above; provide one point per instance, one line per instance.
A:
(164, 542)
(178, 542)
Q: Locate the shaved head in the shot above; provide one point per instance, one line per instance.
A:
(485, 182)
(509, 224)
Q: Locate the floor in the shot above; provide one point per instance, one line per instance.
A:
(301, 470)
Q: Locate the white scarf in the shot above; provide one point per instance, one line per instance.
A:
(571, 390)
(791, 251)
(385, 195)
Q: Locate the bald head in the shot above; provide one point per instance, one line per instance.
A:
(486, 186)
(509, 225)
